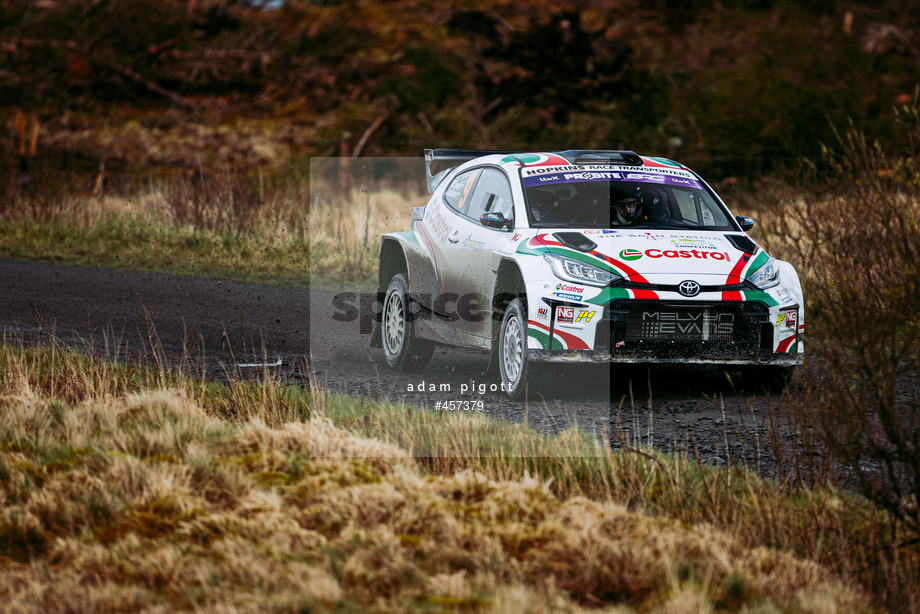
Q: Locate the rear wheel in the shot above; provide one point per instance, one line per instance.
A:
(403, 350)
(519, 375)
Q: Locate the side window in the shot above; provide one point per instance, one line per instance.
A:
(457, 193)
(492, 195)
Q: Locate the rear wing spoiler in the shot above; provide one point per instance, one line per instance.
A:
(453, 155)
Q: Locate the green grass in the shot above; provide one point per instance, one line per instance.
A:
(129, 244)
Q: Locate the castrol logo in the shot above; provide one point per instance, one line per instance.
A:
(634, 254)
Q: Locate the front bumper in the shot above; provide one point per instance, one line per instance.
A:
(718, 332)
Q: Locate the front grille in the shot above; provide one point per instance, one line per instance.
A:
(713, 329)
(679, 323)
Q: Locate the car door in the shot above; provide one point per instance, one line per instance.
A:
(468, 253)
(438, 232)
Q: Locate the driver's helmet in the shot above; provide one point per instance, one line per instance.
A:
(628, 207)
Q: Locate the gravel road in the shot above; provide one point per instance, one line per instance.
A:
(216, 328)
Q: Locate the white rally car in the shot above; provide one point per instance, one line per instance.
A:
(583, 256)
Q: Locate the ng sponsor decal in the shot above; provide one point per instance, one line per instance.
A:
(788, 318)
(565, 315)
(573, 315)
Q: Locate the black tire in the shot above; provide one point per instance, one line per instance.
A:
(519, 375)
(402, 349)
(769, 378)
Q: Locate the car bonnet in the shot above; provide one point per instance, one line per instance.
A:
(657, 256)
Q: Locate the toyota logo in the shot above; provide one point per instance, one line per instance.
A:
(689, 288)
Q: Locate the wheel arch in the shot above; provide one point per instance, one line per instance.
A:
(509, 284)
(391, 261)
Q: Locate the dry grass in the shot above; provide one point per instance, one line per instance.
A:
(289, 224)
(144, 501)
(126, 489)
(217, 197)
(350, 210)
(122, 493)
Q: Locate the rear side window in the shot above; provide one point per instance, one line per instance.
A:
(491, 195)
(458, 193)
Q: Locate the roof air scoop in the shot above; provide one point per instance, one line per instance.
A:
(742, 243)
(601, 156)
(576, 240)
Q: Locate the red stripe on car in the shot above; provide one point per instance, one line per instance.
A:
(734, 277)
(572, 342)
(785, 343)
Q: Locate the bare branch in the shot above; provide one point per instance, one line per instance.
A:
(369, 132)
(150, 85)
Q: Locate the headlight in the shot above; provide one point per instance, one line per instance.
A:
(766, 276)
(578, 272)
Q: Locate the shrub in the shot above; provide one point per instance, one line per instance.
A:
(853, 228)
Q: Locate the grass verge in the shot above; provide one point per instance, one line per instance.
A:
(275, 227)
(135, 245)
(128, 489)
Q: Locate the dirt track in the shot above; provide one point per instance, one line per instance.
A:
(213, 327)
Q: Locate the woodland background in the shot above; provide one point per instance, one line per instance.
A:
(730, 88)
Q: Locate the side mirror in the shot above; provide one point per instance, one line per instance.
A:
(745, 222)
(495, 220)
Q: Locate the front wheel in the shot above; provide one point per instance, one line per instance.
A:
(404, 351)
(518, 373)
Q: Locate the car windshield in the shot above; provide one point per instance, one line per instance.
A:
(608, 198)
